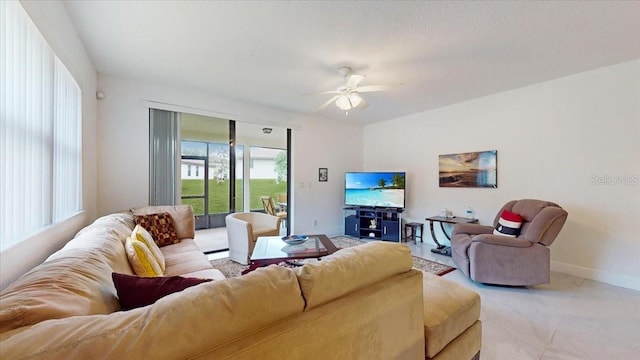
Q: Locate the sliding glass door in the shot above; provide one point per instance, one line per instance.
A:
(268, 173)
(227, 166)
(205, 177)
(217, 166)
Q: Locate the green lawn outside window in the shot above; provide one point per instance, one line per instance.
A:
(219, 194)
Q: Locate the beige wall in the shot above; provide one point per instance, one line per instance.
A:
(124, 148)
(54, 24)
(555, 141)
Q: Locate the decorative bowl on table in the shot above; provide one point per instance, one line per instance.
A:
(295, 239)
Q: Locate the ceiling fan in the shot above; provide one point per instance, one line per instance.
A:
(347, 96)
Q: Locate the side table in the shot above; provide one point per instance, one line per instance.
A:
(414, 226)
(444, 249)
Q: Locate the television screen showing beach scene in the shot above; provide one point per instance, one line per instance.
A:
(473, 169)
(375, 189)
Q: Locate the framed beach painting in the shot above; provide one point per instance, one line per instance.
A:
(473, 169)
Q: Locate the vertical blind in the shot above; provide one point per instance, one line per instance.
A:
(40, 131)
(164, 152)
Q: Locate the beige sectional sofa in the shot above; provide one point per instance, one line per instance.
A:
(364, 302)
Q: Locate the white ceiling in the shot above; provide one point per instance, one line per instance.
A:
(271, 52)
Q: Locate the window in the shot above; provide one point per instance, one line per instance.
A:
(40, 131)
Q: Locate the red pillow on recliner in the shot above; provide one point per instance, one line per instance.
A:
(137, 291)
(509, 224)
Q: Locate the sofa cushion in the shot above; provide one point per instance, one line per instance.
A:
(182, 216)
(77, 284)
(135, 291)
(449, 309)
(184, 258)
(141, 234)
(122, 222)
(351, 269)
(191, 324)
(103, 240)
(141, 258)
(160, 225)
(509, 224)
(106, 235)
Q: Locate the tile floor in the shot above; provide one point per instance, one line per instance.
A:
(570, 318)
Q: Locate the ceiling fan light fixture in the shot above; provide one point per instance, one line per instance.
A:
(343, 102)
(348, 101)
(355, 99)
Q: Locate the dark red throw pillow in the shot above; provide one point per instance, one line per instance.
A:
(137, 291)
(160, 226)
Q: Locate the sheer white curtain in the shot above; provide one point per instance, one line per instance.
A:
(40, 131)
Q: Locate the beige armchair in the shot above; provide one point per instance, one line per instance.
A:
(518, 261)
(243, 230)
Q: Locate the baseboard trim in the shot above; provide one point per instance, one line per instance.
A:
(625, 281)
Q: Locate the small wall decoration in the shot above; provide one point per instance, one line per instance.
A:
(323, 174)
(473, 169)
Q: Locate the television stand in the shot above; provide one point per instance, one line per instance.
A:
(373, 223)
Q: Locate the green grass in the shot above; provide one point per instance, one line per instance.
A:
(219, 194)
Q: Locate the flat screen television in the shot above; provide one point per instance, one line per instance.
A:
(375, 189)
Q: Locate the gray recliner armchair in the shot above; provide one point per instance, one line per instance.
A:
(519, 261)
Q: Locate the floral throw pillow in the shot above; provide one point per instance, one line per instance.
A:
(160, 226)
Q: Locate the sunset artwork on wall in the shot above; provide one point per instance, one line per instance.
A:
(473, 169)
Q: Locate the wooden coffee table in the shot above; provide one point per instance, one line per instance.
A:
(273, 250)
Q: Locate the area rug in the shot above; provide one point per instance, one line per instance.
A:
(233, 269)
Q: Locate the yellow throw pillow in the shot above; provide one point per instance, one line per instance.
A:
(141, 258)
(141, 234)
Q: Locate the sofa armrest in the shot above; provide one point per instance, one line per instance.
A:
(501, 240)
(472, 229)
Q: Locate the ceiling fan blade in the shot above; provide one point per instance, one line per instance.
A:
(329, 102)
(354, 80)
(372, 88)
(323, 92)
(363, 104)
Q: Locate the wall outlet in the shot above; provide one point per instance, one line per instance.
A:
(315, 222)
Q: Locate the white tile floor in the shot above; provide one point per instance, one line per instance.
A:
(570, 318)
